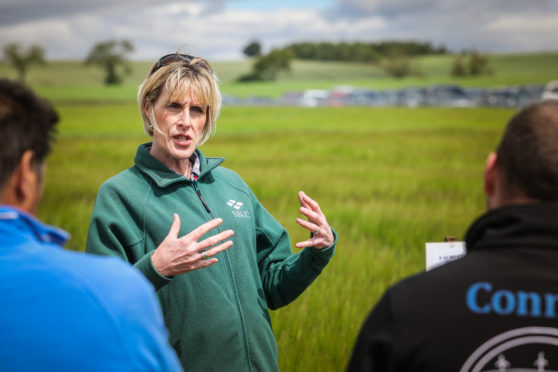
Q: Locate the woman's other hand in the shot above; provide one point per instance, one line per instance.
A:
(322, 236)
(178, 255)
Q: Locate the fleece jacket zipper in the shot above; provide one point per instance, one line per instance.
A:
(233, 285)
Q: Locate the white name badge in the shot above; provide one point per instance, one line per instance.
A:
(440, 253)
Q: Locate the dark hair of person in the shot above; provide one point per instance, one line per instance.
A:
(27, 122)
(528, 153)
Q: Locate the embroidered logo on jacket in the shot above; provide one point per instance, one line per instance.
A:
(237, 205)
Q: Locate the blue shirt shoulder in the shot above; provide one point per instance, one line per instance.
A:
(69, 311)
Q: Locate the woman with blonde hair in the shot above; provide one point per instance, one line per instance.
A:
(215, 295)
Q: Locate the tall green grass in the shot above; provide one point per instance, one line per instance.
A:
(387, 179)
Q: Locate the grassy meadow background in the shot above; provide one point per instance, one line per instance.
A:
(388, 179)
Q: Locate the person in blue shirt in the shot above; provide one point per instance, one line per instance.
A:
(62, 310)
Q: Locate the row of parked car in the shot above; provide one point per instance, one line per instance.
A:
(433, 95)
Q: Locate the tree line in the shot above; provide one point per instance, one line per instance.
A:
(394, 57)
(360, 51)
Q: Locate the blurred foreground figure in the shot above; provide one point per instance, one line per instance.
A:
(62, 310)
(496, 308)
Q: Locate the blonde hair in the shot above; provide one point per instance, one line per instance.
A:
(184, 74)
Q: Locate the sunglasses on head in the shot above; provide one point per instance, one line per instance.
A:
(173, 58)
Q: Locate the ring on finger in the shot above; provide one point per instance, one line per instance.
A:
(203, 255)
(317, 231)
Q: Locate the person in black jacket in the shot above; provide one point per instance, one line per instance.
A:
(495, 309)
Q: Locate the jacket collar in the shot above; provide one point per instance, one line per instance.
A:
(164, 176)
(21, 223)
(527, 225)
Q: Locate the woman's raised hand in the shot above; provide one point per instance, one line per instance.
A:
(322, 236)
(178, 255)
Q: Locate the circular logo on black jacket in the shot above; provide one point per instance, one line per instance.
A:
(523, 349)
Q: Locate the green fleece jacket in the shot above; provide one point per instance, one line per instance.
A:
(217, 317)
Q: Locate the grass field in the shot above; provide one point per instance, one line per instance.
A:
(388, 180)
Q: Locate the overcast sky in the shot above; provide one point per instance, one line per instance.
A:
(219, 29)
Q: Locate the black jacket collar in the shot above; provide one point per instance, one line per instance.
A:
(515, 225)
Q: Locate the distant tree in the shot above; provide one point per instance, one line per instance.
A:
(475, 65)
(397, 64)
(458, 68)
(112, 57)
(21, 59)
(269, 66)
(253, 49)
(478, 64)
